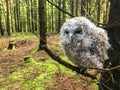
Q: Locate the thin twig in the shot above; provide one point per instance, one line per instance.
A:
(100, 82)
(107, 69)
(91, 17)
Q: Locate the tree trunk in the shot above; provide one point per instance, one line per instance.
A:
(48, 17)
(17, 16)
(72, 6)
(59, 16)
(112, 79)
(32, 17)
(11, 15)
(35, 15)
(1, 27)
(77, 4)
(52, 19)
(28, 16)
(42, 24)
(8, 20)
(106, 12)
(98, 11)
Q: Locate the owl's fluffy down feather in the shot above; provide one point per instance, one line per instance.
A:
(84, 44)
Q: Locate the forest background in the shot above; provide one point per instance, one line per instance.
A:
(40, 20)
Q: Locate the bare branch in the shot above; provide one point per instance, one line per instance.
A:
(91, 17)
(107, 69)
(60, 9)
(73, 15)
(66, 64)
(59, 60)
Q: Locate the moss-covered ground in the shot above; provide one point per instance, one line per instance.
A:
(22, 68)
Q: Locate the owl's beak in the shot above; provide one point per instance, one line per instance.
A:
(71, 37)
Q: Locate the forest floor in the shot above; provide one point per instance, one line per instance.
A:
(38, 72)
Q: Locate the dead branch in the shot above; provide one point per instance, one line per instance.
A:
(105, 25)
(66, 64)
(60, 8)
(73, 15)
(92, 18)
(61, 61)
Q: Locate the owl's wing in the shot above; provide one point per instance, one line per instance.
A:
(99, 44)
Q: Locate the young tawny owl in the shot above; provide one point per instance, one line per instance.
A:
(84, 44)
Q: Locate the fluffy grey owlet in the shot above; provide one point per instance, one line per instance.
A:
(84, 43)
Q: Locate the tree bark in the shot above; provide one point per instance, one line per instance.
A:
(1, 27)
(17, 16)
(98, 11)
(72, 7)
(77, 4)
(15, 19)
(8, 20)
(28, 16)
(42, 24)
(35, 15)
(63, 14)
(59, 16)
(112, 79)
(32, 16)
(52, 19)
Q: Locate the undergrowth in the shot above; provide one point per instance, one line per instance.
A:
(33, 75)
(19, 36)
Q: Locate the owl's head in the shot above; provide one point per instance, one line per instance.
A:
(75, 29)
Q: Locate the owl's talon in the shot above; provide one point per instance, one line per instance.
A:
(82, 70)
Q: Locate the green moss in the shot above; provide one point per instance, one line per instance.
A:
(35, 50)
(13, 47)
(3, 89)
(19, 36)
(32, 84)
(66, 59)
(95, 85)
(29, 59)
(34, 75)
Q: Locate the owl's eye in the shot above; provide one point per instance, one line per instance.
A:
(78, 31)
(66, 32)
